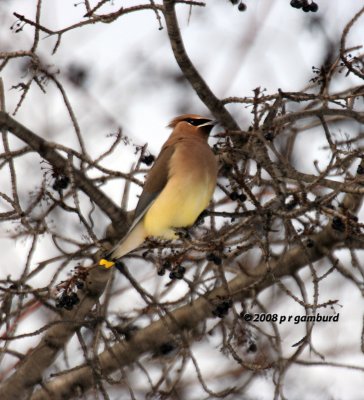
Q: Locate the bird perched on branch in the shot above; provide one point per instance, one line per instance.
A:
(178, 187)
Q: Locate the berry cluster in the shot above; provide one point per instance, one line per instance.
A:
(166, 348)
(162, 269)
(241, 6)
(176, 272)
(291, 202)
(60, 182)
(269, 136)
(222, 308)
(251, 347)
(214, 258)
(67, 296)
(305, 5)
(235, 196)
(77, 74)
(338, 224)
(67, 301)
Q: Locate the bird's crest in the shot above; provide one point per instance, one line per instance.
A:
(193, 119)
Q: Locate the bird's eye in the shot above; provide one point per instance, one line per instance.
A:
(191, 121)
(196, 122)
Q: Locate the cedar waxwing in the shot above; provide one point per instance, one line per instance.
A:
(178, 187)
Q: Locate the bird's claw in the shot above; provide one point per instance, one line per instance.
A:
(182, 233)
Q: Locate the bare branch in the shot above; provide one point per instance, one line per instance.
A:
(46, 151)
(190, 72)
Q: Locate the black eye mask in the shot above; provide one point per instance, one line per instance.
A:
(197, 122)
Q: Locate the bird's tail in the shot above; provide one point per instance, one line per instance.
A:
(130, 242)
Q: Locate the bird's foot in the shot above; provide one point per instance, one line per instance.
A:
(109, 264)
(182, 233)
(106, 263)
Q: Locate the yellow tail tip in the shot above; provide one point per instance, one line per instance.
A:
(106, 263)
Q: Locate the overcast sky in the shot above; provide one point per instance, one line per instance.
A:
(130, 82)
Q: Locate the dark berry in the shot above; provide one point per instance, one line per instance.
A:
(210, 256)
(59, 304)
(291, 205)
(77, 74)
(214, 258)
(242, 197)
(234, 196)
(242, 7)
(269, 136)
(166, 264)
(68, 304)
(310, 243)
(161, 271)
(252, 347)
(80, 284)
(218, 312)
(360, 170)
(166, 348)
(338, 224)
(217, 260)
(61, 301)
(225, 169)
(296, 3)
(314, 7)
(148, 160)
(74, 298)
(222, 308)
(234, 2)
(61, 183)
(181, 269)
(179, 272)
(306, 8)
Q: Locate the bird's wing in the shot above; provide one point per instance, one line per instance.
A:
(155, 183)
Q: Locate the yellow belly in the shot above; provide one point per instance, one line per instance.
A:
(178, 206)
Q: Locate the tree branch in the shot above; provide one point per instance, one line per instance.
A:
(31, 369)
(190, 72)
(46, 151)
(187, 318)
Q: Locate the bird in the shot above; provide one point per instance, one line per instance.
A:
(177, 189)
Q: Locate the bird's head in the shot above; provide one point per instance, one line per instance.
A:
(193, 124)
